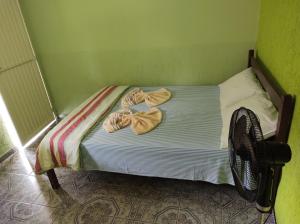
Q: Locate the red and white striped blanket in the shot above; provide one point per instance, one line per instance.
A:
(60, 147)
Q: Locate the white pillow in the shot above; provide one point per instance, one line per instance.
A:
(239, 86)
(252, 97)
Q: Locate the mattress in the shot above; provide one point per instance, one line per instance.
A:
(186, 145)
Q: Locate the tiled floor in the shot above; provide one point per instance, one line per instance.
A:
(99, 197)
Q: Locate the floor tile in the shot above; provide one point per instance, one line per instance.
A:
(17, 212)
(102, 197)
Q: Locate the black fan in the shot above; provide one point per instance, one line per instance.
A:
(256, 164)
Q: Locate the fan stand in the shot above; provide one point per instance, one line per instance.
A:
(264, 216)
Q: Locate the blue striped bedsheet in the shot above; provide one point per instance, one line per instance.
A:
(186, 145)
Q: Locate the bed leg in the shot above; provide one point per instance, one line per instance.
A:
(53, 179)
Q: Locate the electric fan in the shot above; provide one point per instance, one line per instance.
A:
(256, 164)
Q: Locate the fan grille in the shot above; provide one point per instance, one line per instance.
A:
(244, 134)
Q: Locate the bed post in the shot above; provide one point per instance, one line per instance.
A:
(53, 179)
(285, 118)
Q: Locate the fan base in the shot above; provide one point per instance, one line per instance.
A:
(263, 218)
(263, 209)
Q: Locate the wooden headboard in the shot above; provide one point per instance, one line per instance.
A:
(283, 102)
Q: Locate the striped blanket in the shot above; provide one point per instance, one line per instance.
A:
(60, 147)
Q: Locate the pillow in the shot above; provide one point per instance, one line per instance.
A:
(239, 86)
(246, 92)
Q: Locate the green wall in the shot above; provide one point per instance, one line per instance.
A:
(279, 48)
(5, 143)
(83, 45)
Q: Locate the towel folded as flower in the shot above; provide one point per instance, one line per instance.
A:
(152, 98)
(140, 122)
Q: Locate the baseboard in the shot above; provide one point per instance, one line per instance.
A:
(6, 155)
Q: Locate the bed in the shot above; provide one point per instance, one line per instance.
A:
(186, 145)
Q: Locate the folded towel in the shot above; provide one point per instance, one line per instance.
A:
(140, 122)
(133, 97)
(152, 98)
(117, 120)
(143, 122)
(157, 97)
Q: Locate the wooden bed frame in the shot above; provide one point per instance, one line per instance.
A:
(283, 102)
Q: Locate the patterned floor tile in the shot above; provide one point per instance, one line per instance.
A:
(17, 212)
(19, 187)
(17, 164)
(101, 197)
